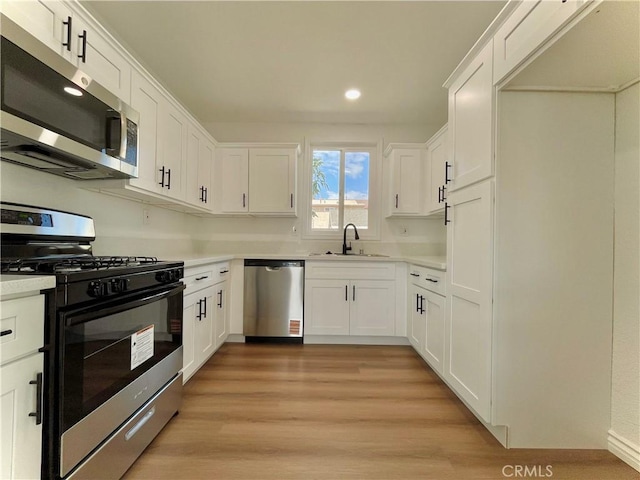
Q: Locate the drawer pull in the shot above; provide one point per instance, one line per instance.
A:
(5, 332)
(414, 274)
(431, 280)
(201, 278)
(223, 271)
(140, 424)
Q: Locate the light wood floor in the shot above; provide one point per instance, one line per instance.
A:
(339, 412)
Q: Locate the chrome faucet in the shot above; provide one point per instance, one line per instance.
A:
(345, 249)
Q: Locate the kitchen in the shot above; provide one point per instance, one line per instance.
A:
(125, 227)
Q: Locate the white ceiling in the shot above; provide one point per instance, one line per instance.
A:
(291, 61)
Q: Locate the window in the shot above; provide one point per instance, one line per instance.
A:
(343, 190)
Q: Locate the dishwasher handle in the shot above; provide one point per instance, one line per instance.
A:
(272, 269)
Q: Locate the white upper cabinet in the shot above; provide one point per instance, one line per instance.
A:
(62, 27)
(407, 180)
(471, 97)
(437, 174)
(172, 143)
(231, 177)
(200, 152)
(258, 180)
(272, 181)
(528, 27)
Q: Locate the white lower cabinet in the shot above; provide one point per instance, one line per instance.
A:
(21, 370)
(352, 304)
(205, 315)
(426, 306)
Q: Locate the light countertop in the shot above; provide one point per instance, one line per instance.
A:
(437, 262)
(25, 284)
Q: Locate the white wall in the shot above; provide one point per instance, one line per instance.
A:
(119, 222)
(625, 392)
(275, 235)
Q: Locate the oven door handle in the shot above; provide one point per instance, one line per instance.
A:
(117, 305)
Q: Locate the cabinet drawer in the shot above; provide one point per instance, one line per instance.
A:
(528, 27)
(197, 278)
(428, 278)
(354, 270)
(22, 325)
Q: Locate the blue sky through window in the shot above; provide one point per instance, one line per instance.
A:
(356, 172)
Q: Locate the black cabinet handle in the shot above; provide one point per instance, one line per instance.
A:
(202, 278)
(444, 197)
(396, 200)
(346, 293)
(206, 194)
(414, 274)
(5, 332)
(417, 302)
(447, 166)
(431, 280)
(83, 55)
(220, 301)
(168, 179)
(439, 194)
(204, 301)
(68, 42)
(292, 200)
(446, 214)
(354, 293)
(421, 304)
(38, 413)
(161, 182)
(244, 200)
(223, 272)
(201, 197)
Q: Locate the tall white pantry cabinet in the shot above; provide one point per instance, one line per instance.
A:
(529, 217)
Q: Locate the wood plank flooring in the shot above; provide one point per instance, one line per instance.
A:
(340, 412)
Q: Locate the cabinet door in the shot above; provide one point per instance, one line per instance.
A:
(436, 160)
(416, 318)
(198, 168)
(205, 325)
(21, 438)
(326, 307)
(146, 99)
(188, 335)
(44, 20)
(173, 149)
(433, 308)
(373, 306)
(231, 178)
(528, 27)
(471, 122)
(272, 176)
(222, 312)
(469, 303)
(407, 187)
(100, 60)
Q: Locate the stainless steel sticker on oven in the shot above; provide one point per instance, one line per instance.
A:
(141, 346)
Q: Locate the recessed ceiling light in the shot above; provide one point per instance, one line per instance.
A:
(352, 94)
(73, 91)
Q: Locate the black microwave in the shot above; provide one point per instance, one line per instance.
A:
(57, 119)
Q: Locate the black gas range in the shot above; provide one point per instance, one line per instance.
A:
(114, 342)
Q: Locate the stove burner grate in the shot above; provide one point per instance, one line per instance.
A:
(72, 264)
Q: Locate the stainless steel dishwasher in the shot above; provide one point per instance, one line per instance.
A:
(273, 301)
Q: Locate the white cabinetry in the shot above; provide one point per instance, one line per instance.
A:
(471, 98)
(437, 171)
(260, 179)
(426, 314)
(200, 152)
(407, 178)
(470, 290)
(205, 317)
(528, 27)
(66, 28)
(350, 298)
(21, 369)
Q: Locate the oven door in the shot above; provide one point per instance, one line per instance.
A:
(115, 356)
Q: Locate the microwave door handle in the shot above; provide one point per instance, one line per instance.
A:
(123, 135)
(109, 147)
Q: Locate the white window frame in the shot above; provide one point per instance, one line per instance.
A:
(372, 232)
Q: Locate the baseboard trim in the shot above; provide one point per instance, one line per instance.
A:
(624, 450)
(354, 340)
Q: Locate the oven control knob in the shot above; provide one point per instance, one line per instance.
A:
(164, 277)
(97, 289)
(119, 285)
